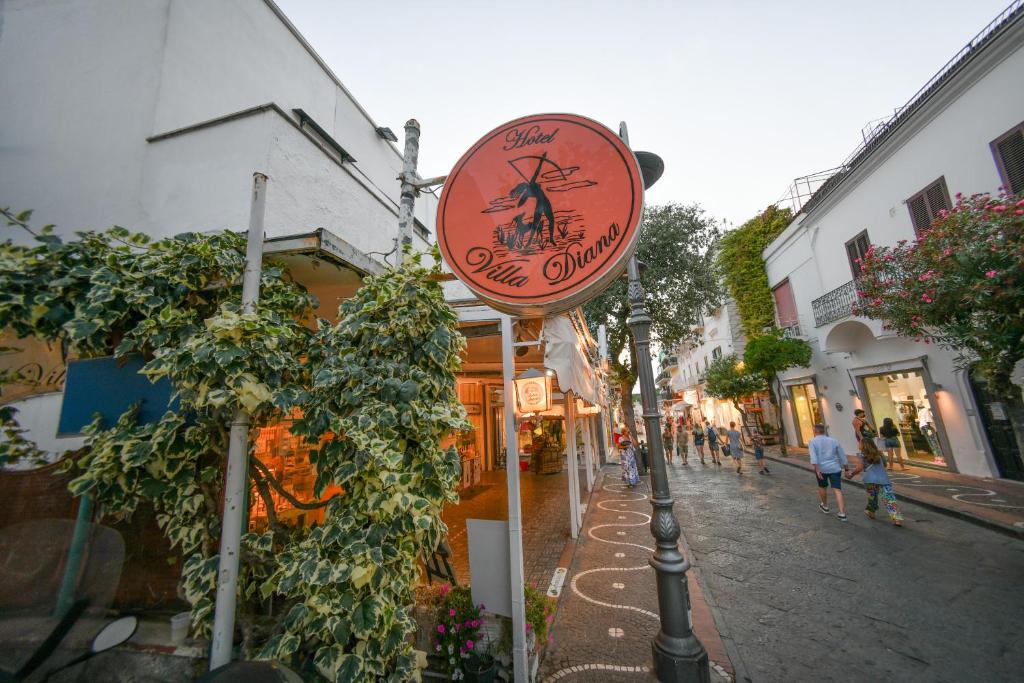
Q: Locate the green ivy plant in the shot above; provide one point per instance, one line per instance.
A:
(376, 393)
(742, 267)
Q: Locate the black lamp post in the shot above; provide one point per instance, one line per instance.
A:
(678, 656)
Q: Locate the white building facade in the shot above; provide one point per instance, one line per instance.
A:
(719, 334)
(962, 133)
(154, 115)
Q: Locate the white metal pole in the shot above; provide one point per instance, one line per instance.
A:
(573, 465)
(238, 452)
(588, 452)
(515, 525)
(408, 192)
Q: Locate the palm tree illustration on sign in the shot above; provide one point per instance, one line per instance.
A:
(531, 189)
(525, 235)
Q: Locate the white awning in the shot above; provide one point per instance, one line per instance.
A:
(680, 406)
(677, 382)
(563, 353)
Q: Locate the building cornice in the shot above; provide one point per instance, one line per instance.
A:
(924, 111)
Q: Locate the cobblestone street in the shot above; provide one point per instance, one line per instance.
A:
(795, 594)
(607, 614)
(545, 508)
(801, 596)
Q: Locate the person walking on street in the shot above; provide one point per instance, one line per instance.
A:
(757, 441)
(829, 462)
(890, 435)
(862, 428)
(735, 447)
(643, 458)
(876, 481)
(627, 456)
(712, 433)
(698, 441)
(683, 450)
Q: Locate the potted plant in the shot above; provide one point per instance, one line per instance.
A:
(480, 666)
(457, 631)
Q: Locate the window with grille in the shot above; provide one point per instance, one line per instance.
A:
(925, 205)
(855, 251)
(1008, 149)
(716, 352)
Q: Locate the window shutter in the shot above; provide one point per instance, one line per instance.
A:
(1011, 155)
(919, 213)
(936, 195)
(785, 304)
(926, 204)
(855, 251)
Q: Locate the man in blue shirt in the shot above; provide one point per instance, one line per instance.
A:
(829, 462)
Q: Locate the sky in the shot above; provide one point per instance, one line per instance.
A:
(739, 98)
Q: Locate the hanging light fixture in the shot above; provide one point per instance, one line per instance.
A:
(533, 391)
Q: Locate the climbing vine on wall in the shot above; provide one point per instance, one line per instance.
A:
(742, 267)
(376, 393)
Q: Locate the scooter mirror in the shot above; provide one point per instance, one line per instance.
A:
(114, 633)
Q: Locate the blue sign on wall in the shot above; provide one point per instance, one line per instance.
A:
(108, 387)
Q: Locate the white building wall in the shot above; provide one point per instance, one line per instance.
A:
(948, 137)
(89, 81)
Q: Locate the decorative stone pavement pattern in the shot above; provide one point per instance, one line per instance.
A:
(607, 617)
(545, 506)
(800, 596)
(998, 502)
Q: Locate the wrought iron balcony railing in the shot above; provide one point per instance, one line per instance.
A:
(835, 305)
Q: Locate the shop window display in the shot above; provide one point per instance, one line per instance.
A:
(903, 397)
(808, 412)
(287, 458)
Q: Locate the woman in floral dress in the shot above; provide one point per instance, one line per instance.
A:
(627, 455)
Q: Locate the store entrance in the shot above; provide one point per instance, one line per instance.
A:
(902, 397)
(1003, 419)
(806, 409)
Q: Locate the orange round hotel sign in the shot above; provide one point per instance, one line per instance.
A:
(541, 214)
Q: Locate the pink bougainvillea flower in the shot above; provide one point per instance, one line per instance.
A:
(991, 273)
(440, 628)
(469, 644)
(451, 612)
(1000, 208)
(444, 589)
(529, 628)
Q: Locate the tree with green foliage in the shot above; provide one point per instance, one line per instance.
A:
(680, 282)
(729, 379)
(769, 354)
(742, 267)
(375, 392)
(960, 284)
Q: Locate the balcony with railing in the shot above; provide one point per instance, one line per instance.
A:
(835, 305)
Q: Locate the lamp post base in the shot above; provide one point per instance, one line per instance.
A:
(684, 661)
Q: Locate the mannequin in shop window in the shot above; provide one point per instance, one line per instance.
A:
(925, 421)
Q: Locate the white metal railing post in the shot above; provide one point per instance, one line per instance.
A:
(520, 658)
(238, 453)
(572, 463)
